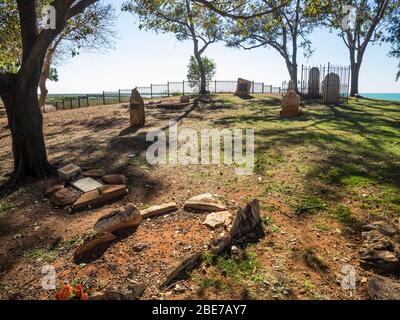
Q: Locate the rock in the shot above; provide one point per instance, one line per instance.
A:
(184, 99)
(135, 292)
(382, 288)
(290, 105)
(53, 189)
(94, 173)
(220, 245)
(157, 211)
(114, 179)
(379, 253)
(243, 88)
(69, 172)
(101, 196)
(204, 202)
(247, 222)
(136, 106)
(128, 217)
(86, 184)
(94, 247)
(217, 219)
(383, 227)
(181, 270)
(63, 197)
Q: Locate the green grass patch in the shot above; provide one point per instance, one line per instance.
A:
(310, 204)
(5, 206)
(342, 213)
(40, 254)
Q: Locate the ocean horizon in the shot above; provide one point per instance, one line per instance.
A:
(382, 96)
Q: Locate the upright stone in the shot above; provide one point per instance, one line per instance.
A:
(313, 83)
(331, 89)
(243, 88)
(136, 106)
(290, 105)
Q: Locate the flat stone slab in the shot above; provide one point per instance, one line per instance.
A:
(217, 219)
(101, 196)
(94, 173)
(86, 184)
(128, 217)
(156, 211)
(69, 172)
(204, 202)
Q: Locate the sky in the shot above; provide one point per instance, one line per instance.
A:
(141, 58)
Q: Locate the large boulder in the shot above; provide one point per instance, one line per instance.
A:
(123, 218)
(204, 202)
(382, 288)
(136, 106)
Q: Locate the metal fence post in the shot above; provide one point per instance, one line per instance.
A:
(262, 90)
(183, 87)
(252, 91)
(168, 88)
(70, 102)
(119, 95)
(215, 86)
(87, 100)
(270, 88)
(79, 102)
(104, 98)
(63, 104)
(151, 91)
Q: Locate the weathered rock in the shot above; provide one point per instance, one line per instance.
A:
(53, 189)
(382, 288)
(137, 113)
(181, 271)
(379, 253)
(290, 105)
(383, 227)
(184, 99)
(128, 217)
(63, 197)
(86, 184)
(217, 219)
(220, 245)
(247, 222)
(94, 247)
(101, 196)
(204, 202)
(243, 88)
(135, 292)
(69, 172)
(156, 211)
(94, 173)
(114, 179)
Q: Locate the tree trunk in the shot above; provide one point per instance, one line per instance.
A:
(203, 79)
(292, 69)
(25, 121)
(44, 76)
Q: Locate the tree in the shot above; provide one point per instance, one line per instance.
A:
(371, 18)
(186, 19)
(285, 29)
(91, 30)
(393, 37)
(18, 89)
(194, 74)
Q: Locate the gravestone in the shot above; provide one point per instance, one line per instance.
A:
(136, 106)
(243, 88)
(331, 89)
(86, 184)
(313, 83)
(290, 105)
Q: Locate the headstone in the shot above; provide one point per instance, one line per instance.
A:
(93, 247)
(204, 202)
(114, 179)
(136, 106)
(156, 211)
(101, 196)
(313, 83)
(69, 172)
(243, 88)
(290, 105)
(86, 184)
(128, 217)
(247, 222)
(331, 89)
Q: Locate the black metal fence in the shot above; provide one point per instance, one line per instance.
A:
(153, 91)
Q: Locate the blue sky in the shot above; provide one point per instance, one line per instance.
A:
(141, 58)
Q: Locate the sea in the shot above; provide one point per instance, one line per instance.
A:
(382, 96)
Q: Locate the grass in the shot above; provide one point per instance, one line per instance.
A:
(40, 254)
(5, 206)
(342, 213)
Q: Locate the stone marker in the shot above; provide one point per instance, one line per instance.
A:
(313, 83)
(101, 196)
(184, 99)
(243, 88)
(379, 253)
(136, 106)
(247, 222)
(53, 189)
(204, 202)
(156, 211)
(290, 105)
(93, 247)
(94, 173)
(114, 179)
(63, 197)
(69, 172)
(216, 219)
(331, 89)
(382, 288)
(86, 184)
(123, 218)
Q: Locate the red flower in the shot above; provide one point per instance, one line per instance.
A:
(79, 291)
(65, 293)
